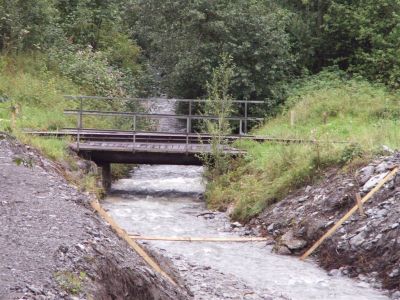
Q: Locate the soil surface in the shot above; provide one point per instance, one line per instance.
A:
(367, 247)
(52, 244)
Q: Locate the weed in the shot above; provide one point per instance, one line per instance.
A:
(70, 282)
(24, 161)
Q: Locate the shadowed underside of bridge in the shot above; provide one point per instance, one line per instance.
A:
(106, 148)
(105, 152)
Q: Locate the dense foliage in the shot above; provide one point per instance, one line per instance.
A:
(366, 38)
(186, 38)
(123, 47)
(361, 36)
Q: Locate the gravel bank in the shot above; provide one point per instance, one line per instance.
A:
(365, 247)
(52, 244)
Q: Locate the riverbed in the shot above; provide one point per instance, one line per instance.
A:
(167, 201)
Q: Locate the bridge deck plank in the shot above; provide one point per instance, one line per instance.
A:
(148, 147)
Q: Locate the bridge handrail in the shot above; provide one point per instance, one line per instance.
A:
(80, 113)
(71, 97)
(168, 116)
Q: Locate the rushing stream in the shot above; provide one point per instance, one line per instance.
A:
(164, 201)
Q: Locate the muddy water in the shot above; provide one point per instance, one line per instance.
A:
(164, 201)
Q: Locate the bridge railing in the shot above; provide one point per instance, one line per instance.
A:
(243, 120)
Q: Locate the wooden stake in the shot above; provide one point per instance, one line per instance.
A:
(325, 117)
(360, 204)
(349, 213)
(292, 118)
(135, 246)
(199, 239)
(13, 116)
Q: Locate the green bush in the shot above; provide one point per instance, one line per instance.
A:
(89, 69)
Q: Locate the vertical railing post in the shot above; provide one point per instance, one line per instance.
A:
(134, 133)
(190, 116)
(245, 117)
(80, 120)
(187, 134)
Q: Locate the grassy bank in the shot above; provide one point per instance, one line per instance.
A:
(37, 92)
(328, 107)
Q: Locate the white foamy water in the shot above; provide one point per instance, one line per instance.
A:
(165, 207)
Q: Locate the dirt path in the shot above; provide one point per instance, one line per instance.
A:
(54, 247)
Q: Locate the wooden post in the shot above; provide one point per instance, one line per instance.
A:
(292, 118)
(349, 214)
(13, 116)
(360, 204)
(325, 117)
(17, 109)
(135, 246)
(106, 176)
(199, 239)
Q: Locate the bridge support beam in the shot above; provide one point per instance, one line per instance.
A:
(106, 176)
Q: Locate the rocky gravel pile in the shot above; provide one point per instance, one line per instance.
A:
(52, 244)
(367, 247)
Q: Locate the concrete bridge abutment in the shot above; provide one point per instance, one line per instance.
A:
(106, 176)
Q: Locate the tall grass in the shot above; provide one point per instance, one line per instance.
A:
(38, 93)
(327, 108)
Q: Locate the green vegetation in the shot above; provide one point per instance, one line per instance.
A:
(49, 48)
(36, 95)
(328, 107)
(219, 103)
(185, 40)
(71, 282)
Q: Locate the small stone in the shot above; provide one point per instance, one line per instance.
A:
(381, 213)
(394, 226)
(80, 247)
(358, 239)
(282, 250)
(363, 284)
(271, 228)
(362, 277)
(395, 295)
(387, 149)
(334, 272)
(63, 248)
(34, 289)
(366, 174)
(236, 225)
(302, 199)
(293, 243)
(382, 167)
(394, 273)
(372, 182)
(344, 270)
(363, 228)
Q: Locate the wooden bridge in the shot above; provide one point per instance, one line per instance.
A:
(133, 145)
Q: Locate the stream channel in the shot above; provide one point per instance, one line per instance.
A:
(167, 201)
